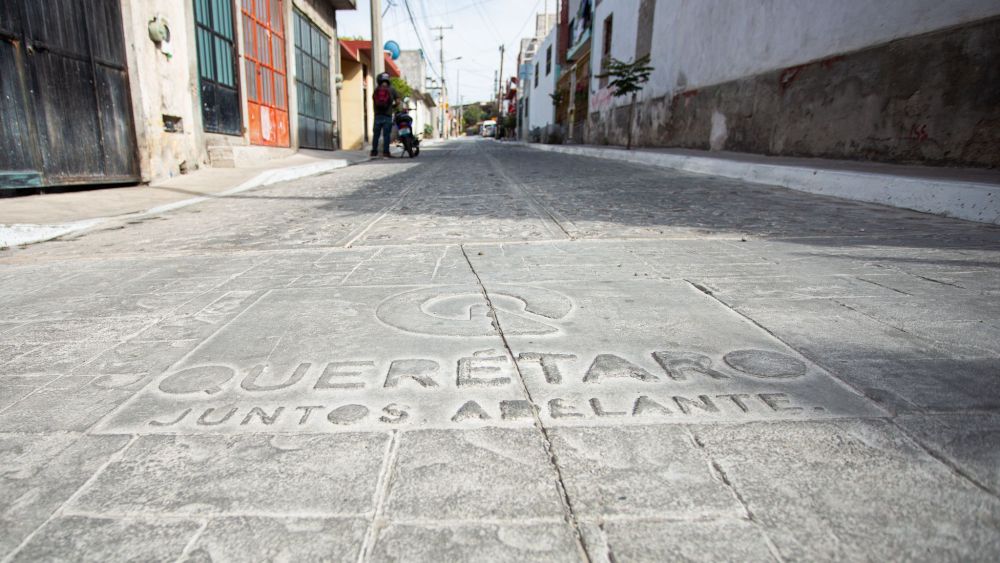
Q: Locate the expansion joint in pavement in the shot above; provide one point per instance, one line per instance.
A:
(114, 458)
(930, 451)
(955, 468)
(381, 494)
(811, 358)
(193, 541)
(567, 504)
(724, 477)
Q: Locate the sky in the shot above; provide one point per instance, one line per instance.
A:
(480, 26)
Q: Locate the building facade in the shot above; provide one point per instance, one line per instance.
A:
(357, 106)
(413, 68)
(525, 70)
(898, 81)
(539, 87)
(142, 90)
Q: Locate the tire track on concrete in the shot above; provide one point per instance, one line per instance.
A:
(357, 235)
(547, 216)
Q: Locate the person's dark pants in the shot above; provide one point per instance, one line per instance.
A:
(383, 125)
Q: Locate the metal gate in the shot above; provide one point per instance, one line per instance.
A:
(264, 59)
(312, 77)
(65, 109)
(217, 75)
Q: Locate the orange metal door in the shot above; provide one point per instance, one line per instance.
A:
(264, 65)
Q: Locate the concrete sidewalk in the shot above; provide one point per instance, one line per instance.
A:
(30, 219)
(969, 194)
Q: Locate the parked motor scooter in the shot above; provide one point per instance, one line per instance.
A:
(407, 138)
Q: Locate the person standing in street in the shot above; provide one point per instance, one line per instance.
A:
(385, 99)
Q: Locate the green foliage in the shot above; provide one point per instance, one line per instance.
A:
(428, 129)
(401, 86)
(627, 78)
(473, 114)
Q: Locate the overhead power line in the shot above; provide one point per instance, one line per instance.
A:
(409, 12)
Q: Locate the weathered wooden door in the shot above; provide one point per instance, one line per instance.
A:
(217, 67)
(65, 108)
(312, 81)
(264, 64)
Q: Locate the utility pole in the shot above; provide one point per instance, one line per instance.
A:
(378, 59)
(458, 94)
(444, 92)
(500, 91)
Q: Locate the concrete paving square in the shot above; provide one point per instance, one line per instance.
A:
(106, 539)
(822, 490)
(254, 538)
(241, 475)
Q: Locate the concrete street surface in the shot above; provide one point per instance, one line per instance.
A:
(491, 353)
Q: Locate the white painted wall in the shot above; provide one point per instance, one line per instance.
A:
(541, 112)
(698, 43)
(421, 114)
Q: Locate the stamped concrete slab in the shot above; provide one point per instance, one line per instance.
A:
(784, 287)
(13, 388)
(55, 358)
(252, 538)
(80, 401)
(200, 317)
(11, 350)
(345, 359)
(138, 357)
(78, 330)
(829, 331)
(40, 473)
(852, 490)
(662, 352)
(80, 538)
(640, 472)
(408, 265)
(514, 263)
(628, 541)
(312, 476)
(903, 385)
(513, 542)
(969, 440)
(590, 353)
(486, 474)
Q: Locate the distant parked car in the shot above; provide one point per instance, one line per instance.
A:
(489, 128)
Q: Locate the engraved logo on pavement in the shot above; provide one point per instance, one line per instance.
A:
(463, 311)
(316, 360)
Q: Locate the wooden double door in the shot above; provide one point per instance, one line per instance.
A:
(65, 104)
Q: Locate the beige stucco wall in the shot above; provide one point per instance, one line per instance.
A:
(353, 100)
(163, 85)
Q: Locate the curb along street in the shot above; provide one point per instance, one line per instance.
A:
(23, 234)
(969, 200)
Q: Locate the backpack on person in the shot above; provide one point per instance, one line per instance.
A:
(383, 98)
